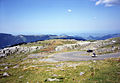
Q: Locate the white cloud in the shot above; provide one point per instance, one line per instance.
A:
(108, 3)
(69, 10)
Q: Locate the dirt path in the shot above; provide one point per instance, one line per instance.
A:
(76, 56)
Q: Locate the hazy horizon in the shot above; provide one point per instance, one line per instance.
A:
(33, 17)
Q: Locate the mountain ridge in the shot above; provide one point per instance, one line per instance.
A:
(9, 39)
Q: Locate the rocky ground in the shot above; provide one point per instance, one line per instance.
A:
(65, 61)
(99, 47)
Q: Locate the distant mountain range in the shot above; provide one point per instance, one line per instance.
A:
(103, 37)
(7, 40)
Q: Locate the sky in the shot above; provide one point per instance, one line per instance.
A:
(59, 16)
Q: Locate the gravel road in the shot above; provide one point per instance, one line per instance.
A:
(75, 56)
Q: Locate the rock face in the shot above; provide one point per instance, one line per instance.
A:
(18, 50)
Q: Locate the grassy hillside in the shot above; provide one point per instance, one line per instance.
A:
(35, 71)
(20, 68)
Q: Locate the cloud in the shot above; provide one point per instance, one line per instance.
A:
(69, 10)
(108, 3)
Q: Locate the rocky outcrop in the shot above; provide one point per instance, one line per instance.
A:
(18, 50)
(109, 45)
(108, 49)
(78, 45)
(100, 46)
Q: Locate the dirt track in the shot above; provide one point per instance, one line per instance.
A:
(76, 56)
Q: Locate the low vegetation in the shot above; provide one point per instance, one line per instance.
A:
(54, 42)
(35, 71)
(21, 69)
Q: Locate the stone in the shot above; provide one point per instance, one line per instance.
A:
(113, 41)
(118, 73)
(2, 55)
(62, 69)
(55, 75)
(6, 67)
(47, 70)
(17, 66)
(52, 79)
(21, 76)
(5, 74)
(81, 73)
(60, 65)
(94, 61)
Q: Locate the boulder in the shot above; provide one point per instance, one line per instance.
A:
(5, 74)
(2, 55)
(52, 79)
(17, 66)
(6, 67)
(81, 73)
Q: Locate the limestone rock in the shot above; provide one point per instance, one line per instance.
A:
(17, 50)
(52, 79)
(81, 73)
(5, 74)
(6, 67)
